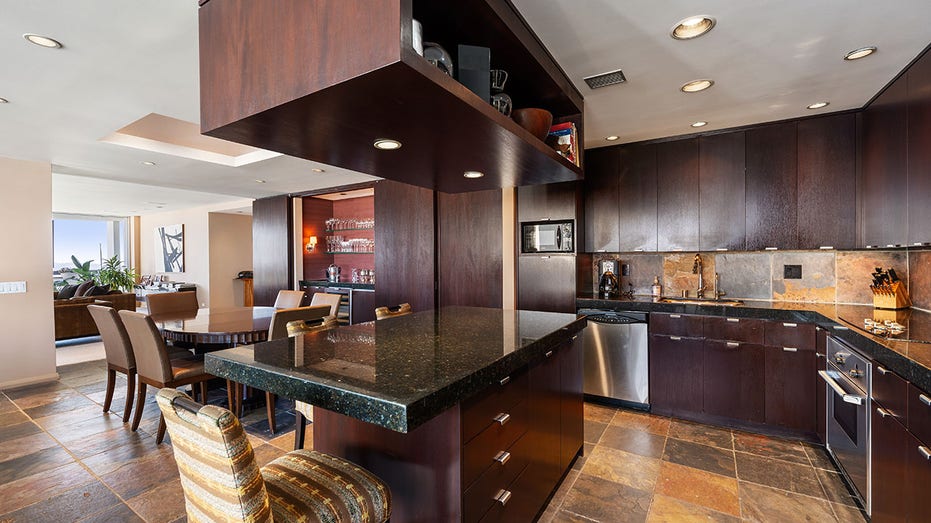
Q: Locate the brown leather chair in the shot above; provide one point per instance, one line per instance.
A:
(289, 299)
(155, 367)
(382, 313)
(326, 298)
(163, 303)
(305, 411)
(119, 352)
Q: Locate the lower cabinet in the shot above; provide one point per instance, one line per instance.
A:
(917, 480)
(791, 387)
(891, 443)
(733, 378)
(675, 374)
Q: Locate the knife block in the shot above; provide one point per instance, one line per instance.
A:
(892, 296)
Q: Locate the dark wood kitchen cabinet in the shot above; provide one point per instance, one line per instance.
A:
(791, 376)
(676, 375)
(918, 477)
(885, 164)
(827, 182)
(637, 218)
(722, 185)
(919, 151)
(571, 404)
(772, 183)
(733, 375)
(551, 201)
(546, 283)
(404, 259)
(890, 444)
(677, 195)
(601, 194)
(323, 80)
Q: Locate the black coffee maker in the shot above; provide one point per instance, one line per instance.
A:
(608, 286)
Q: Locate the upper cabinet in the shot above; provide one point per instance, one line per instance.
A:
(722, 182)
(772, 182)
(323, 80)
(885, 172)
(600, 191)
(637, 197)
(677, 194)
(919, 152)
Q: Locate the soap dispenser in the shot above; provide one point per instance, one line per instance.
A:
(657, 288)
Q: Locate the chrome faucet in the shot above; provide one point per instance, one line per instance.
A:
(696, 269)
(717, 283)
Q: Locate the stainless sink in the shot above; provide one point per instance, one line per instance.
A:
(702, 301)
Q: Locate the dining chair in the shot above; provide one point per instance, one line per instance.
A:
(119, 352)
(304, 412)
(155, 367)
(172, 303)
(326, 298)
(382, 313)
(222, 481)
(289, 299)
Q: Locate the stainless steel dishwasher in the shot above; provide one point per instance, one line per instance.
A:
(616, 359)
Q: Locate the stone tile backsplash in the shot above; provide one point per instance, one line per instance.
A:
(826, 276)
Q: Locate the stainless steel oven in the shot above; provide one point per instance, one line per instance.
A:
(847, 375)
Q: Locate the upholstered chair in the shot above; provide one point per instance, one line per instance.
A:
(176, 303)
(382, 313)
(222, 481)
(289, 299)
(326, 298)
(119, 353)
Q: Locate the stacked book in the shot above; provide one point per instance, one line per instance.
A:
(564, 138)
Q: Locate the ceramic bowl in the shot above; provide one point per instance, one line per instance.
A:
(537, 121)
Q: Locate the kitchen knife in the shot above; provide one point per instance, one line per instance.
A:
(893, 275)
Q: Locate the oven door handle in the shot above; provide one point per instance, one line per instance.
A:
(849, 398)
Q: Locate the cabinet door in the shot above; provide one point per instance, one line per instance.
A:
(885, 181)
(918, 478)
(919, 154)
(722, 183)
(827, 189)
(821, 390)
(733, 384)
(545, 426)
(571, 403)
(362, 306)
(890, 447)
(601, 199)
(637, 198)
(404, 259)
(551, 201)
(772, 176)
(677, 195)
(675, 374)
(791, 385)
(546, 283)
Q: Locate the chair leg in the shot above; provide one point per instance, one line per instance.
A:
(130, 389)
(270, 409)
(140, 404)
(231, 395)
(300, 424)
(160, 435)
(203, 392)
(111, 383)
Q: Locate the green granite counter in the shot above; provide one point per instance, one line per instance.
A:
(400, 372)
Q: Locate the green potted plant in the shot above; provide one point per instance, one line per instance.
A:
(113, 273)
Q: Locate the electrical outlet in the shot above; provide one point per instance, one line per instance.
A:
(792, 272)
(12, 287)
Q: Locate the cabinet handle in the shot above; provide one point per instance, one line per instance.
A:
(881, 370)
(503, 457)
(505, 380)
(675, 338)
(819, 355)
(548, 353)
(502, 418)
(733, 344)
(733, 320)
(924, 399)
(503, 496)
(924, 452)
(676, 316)
(792, 325)
(882, 412)
(790, 349)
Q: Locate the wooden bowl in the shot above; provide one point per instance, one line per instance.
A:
(537, 121)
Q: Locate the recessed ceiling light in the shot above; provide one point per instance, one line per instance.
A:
(318, 170)
(473, 174)
(150, 164)
(387, 144)
(692, 27)
(696, 85)
(43, 41)
(612, 138)
(862, 52)
(699, 124)
(819, 105)
(260, 181)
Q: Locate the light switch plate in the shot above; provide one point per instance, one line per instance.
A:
(12, 287)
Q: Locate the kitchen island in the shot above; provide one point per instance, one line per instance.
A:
(467, 413)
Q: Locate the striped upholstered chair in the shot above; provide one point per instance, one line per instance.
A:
(222, 481)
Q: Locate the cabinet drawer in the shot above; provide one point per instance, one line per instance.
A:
(919, 414)
(520, 503)
(733, 329)
(479, 412)
(479, 497)
(479, 453)
(676, 324)
(799, 336)
(891, 392)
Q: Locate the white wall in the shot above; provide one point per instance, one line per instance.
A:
(230, 252)
(27, 347)
(196, 244)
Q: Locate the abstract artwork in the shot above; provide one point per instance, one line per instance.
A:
(169, 247)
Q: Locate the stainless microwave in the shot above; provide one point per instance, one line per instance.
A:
(547, 237)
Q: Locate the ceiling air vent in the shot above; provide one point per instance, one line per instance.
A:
(605, 79)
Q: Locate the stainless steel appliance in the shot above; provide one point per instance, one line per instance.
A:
(332, 272)
(847, 375)
(616, 360)
(547, 237)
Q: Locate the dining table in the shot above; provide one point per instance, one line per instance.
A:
(213, 329)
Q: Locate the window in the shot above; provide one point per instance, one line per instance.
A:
(87, 238)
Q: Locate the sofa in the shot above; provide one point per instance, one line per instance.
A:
(73, 320)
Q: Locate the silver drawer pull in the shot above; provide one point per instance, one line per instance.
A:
(924, 399)
(503, 418)
(503, 496)
(548, 353)
(733, 320)
(575, 337)
(505, 380)
(733, 344)
(790, 349)
(882, 412)
(881, 370)
(675, 338)
(503, 457)
(790, 324)
(924, 452)
(677, 316)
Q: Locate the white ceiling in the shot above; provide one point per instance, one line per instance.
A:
(124, 60)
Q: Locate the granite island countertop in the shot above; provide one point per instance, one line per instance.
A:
(400, 372)
(909, 359)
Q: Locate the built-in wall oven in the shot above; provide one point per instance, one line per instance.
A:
(847, 375)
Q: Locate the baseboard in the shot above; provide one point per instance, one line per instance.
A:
(29, 381)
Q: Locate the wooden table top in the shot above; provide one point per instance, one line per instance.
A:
(228, 326)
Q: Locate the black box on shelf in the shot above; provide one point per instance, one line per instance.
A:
(474, 65)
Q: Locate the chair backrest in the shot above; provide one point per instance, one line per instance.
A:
(279, 325)
(296, 327)
(390, 312)
(289, 299)
(116, 342)
(219, 475)
(325, 298)
(148, 346)
(172, 302)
